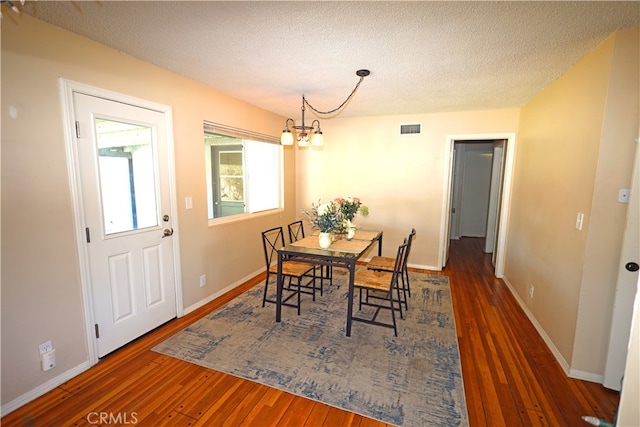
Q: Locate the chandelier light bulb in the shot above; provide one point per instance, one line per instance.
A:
(317, 140)
(303, 141)
(286, 138)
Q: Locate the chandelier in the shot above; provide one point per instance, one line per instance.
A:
(313, 134)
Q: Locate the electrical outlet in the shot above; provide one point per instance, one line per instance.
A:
(45, 347)
(203, 280)
(531, 289)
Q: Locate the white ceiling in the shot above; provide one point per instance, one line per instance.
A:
(424, 56)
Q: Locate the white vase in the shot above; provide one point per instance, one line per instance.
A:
(351, 231)
(324, 240)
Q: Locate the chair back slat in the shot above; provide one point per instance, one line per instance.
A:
(399, 264)
(410, 241)
(296, 231)
(272, 240)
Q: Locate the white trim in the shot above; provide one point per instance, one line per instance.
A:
(67, 89)
(416, 266)
(505, 205)
(66, 97)
(43, 388)
(571, 373)
(586, 376)
(223, 291)
(424, 267)
(554, 350)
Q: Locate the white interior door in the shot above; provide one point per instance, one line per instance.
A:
(494, 197)
(448, 205)
(626, 288)
(456, 177)
(123, 162)
(476, 184)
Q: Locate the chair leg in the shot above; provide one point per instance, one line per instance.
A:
(315, 278)
(406, 274)
(404, 292)
(300, 293)
(399, 300)
(266, 286)
(393, 313)
(329, 273)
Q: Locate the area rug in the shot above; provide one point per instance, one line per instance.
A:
(410, 380)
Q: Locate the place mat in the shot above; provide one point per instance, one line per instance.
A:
(360, 234)
(352, 246)
(365, 235)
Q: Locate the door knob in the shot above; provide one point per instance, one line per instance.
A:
(167, 232)
(632, 266)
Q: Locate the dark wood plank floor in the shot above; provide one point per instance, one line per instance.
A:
(510, 376)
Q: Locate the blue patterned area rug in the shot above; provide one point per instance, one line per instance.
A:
(412, 380)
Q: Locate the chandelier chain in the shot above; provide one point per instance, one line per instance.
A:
(340, 106)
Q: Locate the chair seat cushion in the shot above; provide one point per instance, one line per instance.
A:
(381, 263)
(293, 268)
(371, 279)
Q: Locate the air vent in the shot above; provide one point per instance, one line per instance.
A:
(411, 129)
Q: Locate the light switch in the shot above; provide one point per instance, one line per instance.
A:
(188, 203)
(579, 220)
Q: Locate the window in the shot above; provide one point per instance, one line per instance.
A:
(127, 176)
(243, 171)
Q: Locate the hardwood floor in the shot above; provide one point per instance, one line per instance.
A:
(510, 376)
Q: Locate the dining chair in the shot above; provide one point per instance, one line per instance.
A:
(379, 286)
(296, 272)
(380, 263)
(296, 232)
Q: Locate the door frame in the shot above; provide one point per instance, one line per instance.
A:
(505, 203)
(626, 289)
(67, 89)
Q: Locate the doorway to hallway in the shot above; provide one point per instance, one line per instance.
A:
(478, 192)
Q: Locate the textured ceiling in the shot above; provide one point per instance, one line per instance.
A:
(424, 56)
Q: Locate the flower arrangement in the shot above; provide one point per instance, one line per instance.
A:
(336, 215)
(351, 206)
(325, 217)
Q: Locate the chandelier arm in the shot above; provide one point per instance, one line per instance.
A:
(304, 100)
(286, 123)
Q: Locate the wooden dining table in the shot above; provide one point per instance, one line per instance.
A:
(342, 253)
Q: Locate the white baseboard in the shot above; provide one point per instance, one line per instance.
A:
(571, 373)
(586, 376)
(554, 350)
(417, 266)
(234, 285)
(66, 376)
(221, 292)
(43, 388)
(424, 267)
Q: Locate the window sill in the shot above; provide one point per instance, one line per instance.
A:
(241, 217)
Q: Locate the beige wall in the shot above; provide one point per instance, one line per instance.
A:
(399, 177)
(575, 151)
(41, 288)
